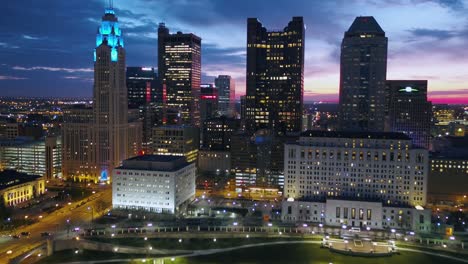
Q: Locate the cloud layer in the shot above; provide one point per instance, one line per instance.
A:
(50, 53)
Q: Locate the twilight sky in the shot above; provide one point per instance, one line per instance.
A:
(46, 47)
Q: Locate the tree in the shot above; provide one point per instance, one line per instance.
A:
(5, 212)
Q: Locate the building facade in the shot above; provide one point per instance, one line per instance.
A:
(179, 70)
(217, 133)
(275, 76)
(226, 95)
(363, 71)
(257, 160)
(214, 161)
(153, 183)
(9, 129)
(409, 112)
(142, 86)
(17, 187)
(41, 157)
(362, 214)
(145, 95)
(448, 178)
(177, 140)
(208, 102)
(372, 166)
(93, 148)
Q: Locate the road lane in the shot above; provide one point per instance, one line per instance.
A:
(55, 223)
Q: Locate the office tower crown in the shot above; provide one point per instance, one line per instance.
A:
(110, 34)
(365, 25)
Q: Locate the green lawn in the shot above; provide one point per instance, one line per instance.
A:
(274, 254)
(70, 256)
(187, 243)
(305, 254)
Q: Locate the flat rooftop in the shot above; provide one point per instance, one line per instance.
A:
(9, 178)
(155, 163)
(352, 134)
(352, 199)
(156, 158)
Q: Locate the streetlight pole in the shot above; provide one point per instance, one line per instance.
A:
(92, 215)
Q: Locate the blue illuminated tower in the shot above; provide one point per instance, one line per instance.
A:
(105, 136)
(110, 96)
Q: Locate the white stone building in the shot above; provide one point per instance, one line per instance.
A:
(356, 165)
(155, 183)
(354, 213)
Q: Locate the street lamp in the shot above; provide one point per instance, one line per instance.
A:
(92, 213)
(343, 227)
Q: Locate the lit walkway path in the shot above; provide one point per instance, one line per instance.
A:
(220, 250)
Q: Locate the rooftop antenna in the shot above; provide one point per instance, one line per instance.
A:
(111, 4)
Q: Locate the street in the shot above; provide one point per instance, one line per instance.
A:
(59, 223)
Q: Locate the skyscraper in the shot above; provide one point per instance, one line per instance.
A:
(275, 76)
(226, 94)
(363, 71)
(217, 132)
(208, 102)
(409, 111)
(179, 70)
(142, 87)
(145, 95)
(177, 140)
(92, 149)
(110, 96)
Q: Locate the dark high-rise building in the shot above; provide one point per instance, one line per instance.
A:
(258, 159)
(177, 140)
(243, 114)
(363, 71)
(142, 87)
(275, 76)
(145, 94)
(217, 132)
(409, 111)
(179, 71)
(208, 101)
(226, 94)
(244, 158)
(449, 170)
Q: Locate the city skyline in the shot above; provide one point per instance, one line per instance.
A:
(41, 57)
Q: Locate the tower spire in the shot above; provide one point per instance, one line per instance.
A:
(111, 4)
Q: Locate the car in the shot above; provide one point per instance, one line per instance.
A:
(15, 236)
(25, 234)
(45, 234)
(355, 229)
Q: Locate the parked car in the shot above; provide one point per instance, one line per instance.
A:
(45, 234)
